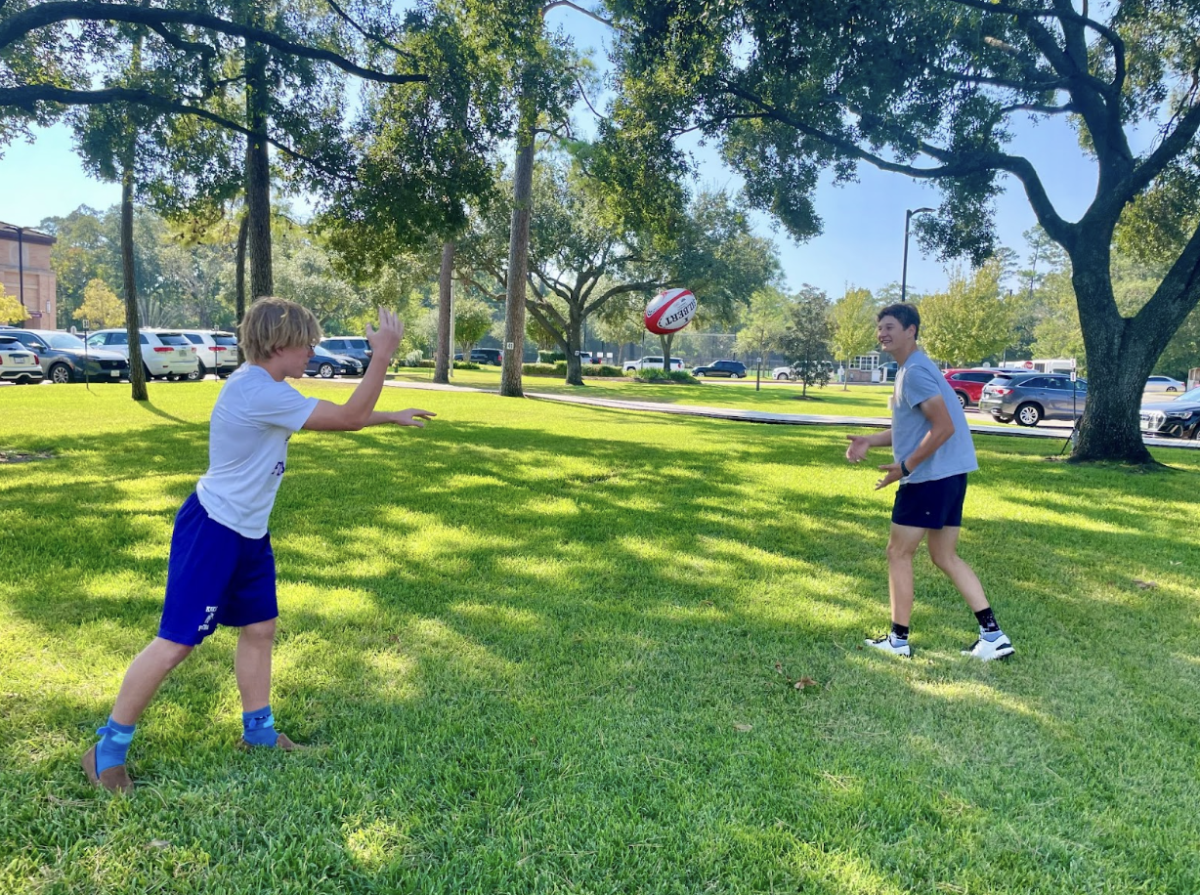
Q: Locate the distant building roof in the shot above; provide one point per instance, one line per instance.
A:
(28, 234)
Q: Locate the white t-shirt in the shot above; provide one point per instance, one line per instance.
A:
(247, 448)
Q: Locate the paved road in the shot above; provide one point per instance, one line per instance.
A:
(1048, 429)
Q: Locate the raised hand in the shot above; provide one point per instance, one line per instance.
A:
(385, 340)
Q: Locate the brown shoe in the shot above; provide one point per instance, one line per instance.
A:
(282, 743)
(114, 779)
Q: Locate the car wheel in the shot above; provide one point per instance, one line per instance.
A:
(1170, 388)
(963, 400)
(325, 371)
(735, 376)
(781, 377)
(1001, 418)
(698, 375)
(60, 373)
(199, 373)
(1028, 415)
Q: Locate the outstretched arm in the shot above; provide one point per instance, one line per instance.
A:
(410, 417)
(357, 412)
(860, 444)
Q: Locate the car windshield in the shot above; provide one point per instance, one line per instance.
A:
(64, 340)
(321, 351)
(1192, 394)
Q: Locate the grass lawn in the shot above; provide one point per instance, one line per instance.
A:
(551, 648)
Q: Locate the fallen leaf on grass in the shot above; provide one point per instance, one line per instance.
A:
(1145, 585)
(779, 667)
(744, 728)
(805, 682)
(707, 603)
(159, 843)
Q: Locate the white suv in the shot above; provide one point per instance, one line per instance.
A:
(652, 363)
(216, 351)
(166, 354)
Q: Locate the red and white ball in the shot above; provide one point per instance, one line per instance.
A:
(670, 311)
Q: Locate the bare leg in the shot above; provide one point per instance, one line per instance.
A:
(902, 546)
(145, 675)
(252, 664)
(943, 550)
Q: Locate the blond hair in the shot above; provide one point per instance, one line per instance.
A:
(274, 323)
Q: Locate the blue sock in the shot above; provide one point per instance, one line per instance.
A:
(258, 727)
(114, 744)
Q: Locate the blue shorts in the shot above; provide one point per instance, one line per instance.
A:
(936, 504)
(215, 576)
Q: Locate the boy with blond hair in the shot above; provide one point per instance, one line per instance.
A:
(221, 569)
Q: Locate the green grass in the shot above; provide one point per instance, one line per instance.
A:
(551, 648)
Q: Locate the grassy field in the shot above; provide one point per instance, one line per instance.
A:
(546, 649)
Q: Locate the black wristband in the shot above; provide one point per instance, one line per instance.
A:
(904, 470)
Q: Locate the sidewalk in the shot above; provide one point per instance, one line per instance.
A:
(1058, 431)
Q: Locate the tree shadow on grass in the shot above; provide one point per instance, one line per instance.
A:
(529, 663)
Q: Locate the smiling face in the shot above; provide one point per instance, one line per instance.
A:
(895, 339)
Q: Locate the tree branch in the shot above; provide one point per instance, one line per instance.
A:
(378, 38)
(15, 27)
(185, 46)
(25, 97)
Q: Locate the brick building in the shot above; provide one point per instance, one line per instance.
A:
(28, 277)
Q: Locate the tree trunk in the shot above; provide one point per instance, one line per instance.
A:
(518, 253)
(574, 345)
(137, 367)
(1119, 362)
(258, 173)
(239, 289)
(665, 341)
(441, 364)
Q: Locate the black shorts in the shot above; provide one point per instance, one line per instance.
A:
(936, 504)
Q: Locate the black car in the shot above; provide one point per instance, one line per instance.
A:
(64, 357)
(1178, 418)
(356, 347)
(734, 369)
(325, 364)
(493, 356)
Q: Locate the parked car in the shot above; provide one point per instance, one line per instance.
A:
(651, 363)
(326, 364)
(1177, 418)
(968, 384)
(166, 354)
(216, 351)
(64, 357)
(1164, 384)
(734, 369)
(17, 363)
(1030, 398)
(356, 347)
(492, 356)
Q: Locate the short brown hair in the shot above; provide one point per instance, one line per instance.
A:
(274, 323)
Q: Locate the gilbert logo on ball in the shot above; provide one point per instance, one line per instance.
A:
(670, 311)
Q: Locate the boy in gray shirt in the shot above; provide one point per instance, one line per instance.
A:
(933, 453)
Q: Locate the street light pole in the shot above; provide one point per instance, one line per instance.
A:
(20, 231)
(904, 270)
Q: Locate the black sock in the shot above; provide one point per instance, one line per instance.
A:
(899, 632)
(987, 621)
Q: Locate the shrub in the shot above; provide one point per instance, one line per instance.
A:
(681, 376)
(550, 357)
(413, 359)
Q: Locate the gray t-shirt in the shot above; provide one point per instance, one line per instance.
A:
(919, 380)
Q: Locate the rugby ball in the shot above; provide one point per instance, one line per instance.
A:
(670, 311)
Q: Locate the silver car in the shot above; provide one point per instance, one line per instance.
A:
(1030, 398)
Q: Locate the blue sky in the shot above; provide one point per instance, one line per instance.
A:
(862, 243)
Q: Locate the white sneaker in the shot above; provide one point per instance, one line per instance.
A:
(986, 650)
(888, 646)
